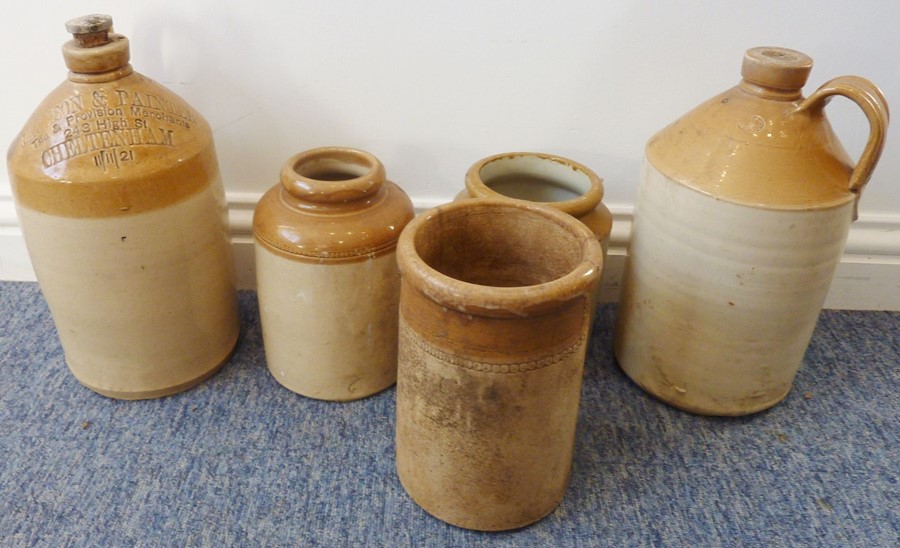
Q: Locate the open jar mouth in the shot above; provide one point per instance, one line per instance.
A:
(332, 174)
(536, 177)
(499, 258)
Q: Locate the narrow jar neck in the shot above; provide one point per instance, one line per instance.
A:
(766, 92)
(333, 177)
(99, 78)
(101, 63)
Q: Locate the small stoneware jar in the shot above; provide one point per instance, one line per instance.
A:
(123, 211)
(547, 179)
(740, 220)
(494, 316)
(327, 278)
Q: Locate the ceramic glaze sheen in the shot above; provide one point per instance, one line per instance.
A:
(327, 277)
(741, 217)
(547, 179)
(494, 315)
(122, 209)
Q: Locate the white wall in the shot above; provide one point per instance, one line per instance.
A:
(431, 87)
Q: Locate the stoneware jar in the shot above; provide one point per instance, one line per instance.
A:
(740, 220)
(548, 179)
(494, 310)
(122, 208)
(326, 270)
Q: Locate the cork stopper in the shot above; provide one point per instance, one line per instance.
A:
(90, 31)
(777, 68)
(94, 48)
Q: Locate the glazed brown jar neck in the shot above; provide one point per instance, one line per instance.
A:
(332, 204)
(109, 58)
(332, 178)
(766, 92)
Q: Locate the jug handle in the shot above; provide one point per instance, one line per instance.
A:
(871, 100)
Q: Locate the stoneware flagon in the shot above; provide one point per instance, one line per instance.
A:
(740, 220)
(327, 278)
(494, 313)
(122, 208)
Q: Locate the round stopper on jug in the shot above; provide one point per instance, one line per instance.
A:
(779, 68)
(94, 48)
(90, 30)
(87, 24)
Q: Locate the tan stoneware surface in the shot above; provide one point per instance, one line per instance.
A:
(546, 179)
(554, 181)
(118, 193)
(740, 220)
(494, 311)
(327, 278)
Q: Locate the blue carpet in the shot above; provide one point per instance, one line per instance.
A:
(241, 461)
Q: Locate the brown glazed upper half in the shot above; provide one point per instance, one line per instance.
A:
(332, 203)
(71, 157)
(764, 145)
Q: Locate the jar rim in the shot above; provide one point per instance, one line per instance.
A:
(588, 199)
(494, 301)
(332, 174)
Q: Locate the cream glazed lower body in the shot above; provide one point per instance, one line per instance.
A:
(720, 300)
(145, 304)
(329, 328)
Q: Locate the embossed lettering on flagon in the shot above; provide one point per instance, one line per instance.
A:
(111, 125)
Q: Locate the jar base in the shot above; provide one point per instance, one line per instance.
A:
(168, 390)
(707, 411)
(335, 397)
(474, 525)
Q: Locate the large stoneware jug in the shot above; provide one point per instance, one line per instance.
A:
(740, 220)
(123, 211)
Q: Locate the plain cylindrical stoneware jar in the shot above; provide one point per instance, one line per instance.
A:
(494, 312)
(740, 220)
(547, 179)
(122, 208)
(327, 277)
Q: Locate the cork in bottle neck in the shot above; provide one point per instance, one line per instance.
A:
(94, 48)
(775, 73)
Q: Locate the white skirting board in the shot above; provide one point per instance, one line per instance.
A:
(868, 277)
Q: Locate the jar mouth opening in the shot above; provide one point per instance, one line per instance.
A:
(499, 258)
(332, 174)
(333, 167)
(495, 247)
(535, 177)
